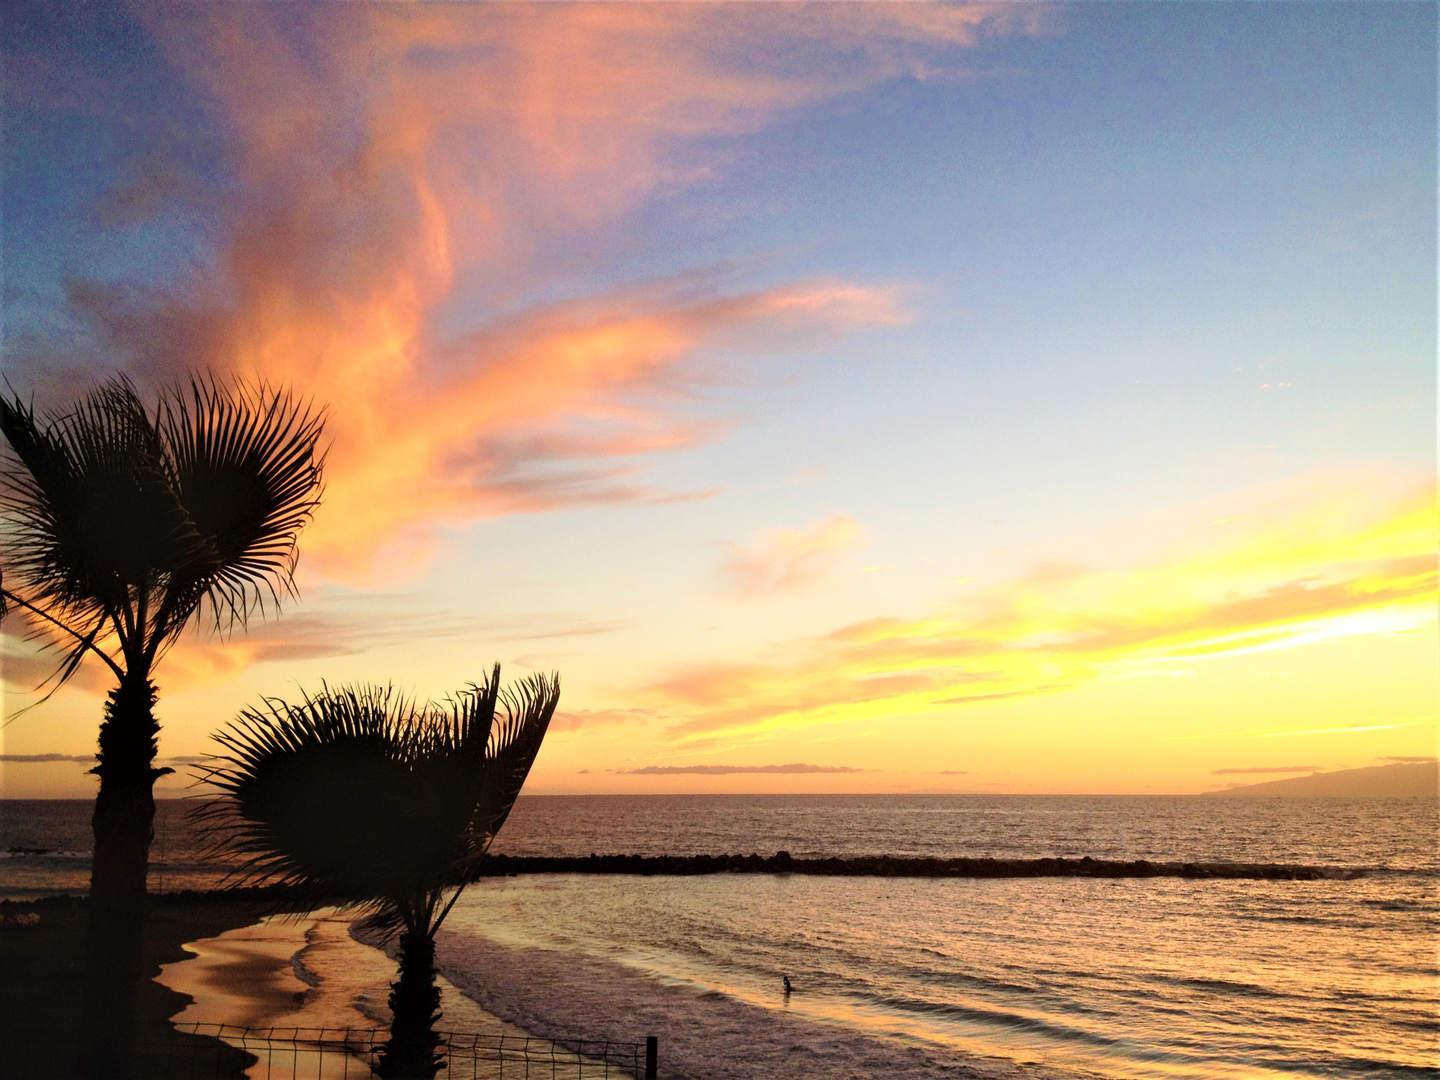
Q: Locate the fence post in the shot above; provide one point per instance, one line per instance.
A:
(652, 1057)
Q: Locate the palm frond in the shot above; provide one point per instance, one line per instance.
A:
(514, 742)
(247, 469)
(88, 513)
(358, 794)
(307, 785)
(112, 513)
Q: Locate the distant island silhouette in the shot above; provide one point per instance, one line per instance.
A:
(1415, 779)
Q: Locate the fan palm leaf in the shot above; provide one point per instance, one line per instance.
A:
(132, 518)
(87, 511)
(243, 468)
(360, 797)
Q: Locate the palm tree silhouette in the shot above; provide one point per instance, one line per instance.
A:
(120, 523)
(361, 797)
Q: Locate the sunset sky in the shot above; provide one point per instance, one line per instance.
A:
(841, 398)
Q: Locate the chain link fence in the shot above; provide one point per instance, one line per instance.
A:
(287, 1053)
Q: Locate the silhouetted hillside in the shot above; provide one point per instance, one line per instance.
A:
(1419, 779)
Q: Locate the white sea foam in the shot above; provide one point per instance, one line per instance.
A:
(704, 1034)
(1124, 979)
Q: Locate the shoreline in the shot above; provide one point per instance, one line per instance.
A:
(312, 972)
(211, 958)
(286, 971)
(237, 958)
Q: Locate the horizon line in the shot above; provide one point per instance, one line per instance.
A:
(795, 794)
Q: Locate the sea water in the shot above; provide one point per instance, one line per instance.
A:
(913, 977)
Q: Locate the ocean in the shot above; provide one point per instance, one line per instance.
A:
(907, 977)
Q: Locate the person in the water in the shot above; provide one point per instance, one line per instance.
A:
(786, 980)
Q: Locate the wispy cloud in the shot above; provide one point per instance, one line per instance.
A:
(783, 560)
(379, 161)
(333, 623)
(794, 769)
(86, 759)
(45, 759)
(1290, 583)
(578, 719)
(1344, 729)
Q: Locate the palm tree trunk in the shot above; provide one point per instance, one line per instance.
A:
(123, 824)
(415, 1006)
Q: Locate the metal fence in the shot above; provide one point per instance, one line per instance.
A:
(286, 1053)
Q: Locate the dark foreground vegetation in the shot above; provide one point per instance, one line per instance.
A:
(385, 806)
(892, 866)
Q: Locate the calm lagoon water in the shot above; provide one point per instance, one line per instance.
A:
(900, 977)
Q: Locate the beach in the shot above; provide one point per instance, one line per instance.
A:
(218, 961)
(214, 960)
(310, 972)
(210, 960)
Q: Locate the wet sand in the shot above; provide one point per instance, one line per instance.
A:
(242, 977)
(215, 960)
(284, 977)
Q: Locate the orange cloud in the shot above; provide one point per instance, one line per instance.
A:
(782, 560)
(540, 414)
(578, 719)
(792, 769)
(395, 173)
(1047, 632)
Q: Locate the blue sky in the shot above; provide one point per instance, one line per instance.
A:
(892, 304)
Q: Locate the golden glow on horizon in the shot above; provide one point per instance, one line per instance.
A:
(1137, 656)
(1059, 628)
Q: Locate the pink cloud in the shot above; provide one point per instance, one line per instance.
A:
(377, 156)
(784, 560)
